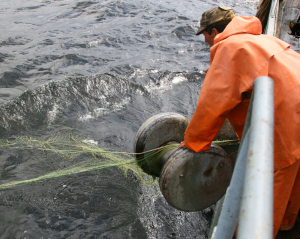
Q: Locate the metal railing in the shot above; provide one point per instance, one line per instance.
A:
(272, 18)
(249, 198)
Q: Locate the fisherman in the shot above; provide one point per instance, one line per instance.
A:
(240, 53)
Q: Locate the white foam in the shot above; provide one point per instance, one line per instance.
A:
(90, 141)
(51, 115)
(179, 79)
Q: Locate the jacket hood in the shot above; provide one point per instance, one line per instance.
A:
(240, 25)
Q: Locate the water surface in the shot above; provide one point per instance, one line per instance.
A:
(96, 70)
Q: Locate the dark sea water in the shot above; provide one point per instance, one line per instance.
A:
(96, 70)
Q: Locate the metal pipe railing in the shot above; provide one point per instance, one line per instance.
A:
(272, 18)
(249, 198)
(231, 206)
(256, 214)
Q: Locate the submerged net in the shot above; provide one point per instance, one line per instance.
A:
(99, 158)
(71, 148)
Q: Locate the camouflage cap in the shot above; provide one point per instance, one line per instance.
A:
(215, 15)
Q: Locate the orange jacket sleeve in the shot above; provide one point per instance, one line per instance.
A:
(221, 92)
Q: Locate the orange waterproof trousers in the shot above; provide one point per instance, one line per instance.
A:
(286, 196)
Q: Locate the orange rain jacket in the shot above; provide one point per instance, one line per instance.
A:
(239, 55)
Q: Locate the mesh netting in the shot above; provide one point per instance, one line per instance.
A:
(99, 158)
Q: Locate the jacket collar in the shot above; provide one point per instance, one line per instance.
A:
(240, 25)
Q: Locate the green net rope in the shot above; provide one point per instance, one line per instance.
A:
(100, 158)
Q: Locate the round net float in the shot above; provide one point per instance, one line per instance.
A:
(157, 131)
(193, 181)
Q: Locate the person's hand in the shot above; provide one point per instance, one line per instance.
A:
(181, 145)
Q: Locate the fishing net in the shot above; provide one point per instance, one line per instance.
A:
(71, 148)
